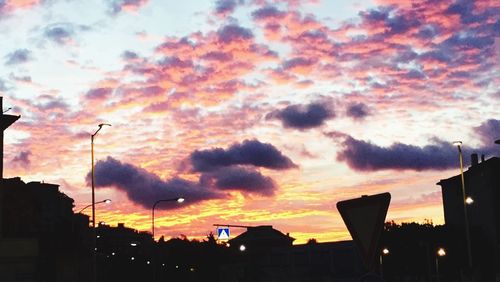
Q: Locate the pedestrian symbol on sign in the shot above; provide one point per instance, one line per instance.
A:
(223, 233)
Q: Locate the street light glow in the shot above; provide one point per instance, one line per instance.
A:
(469, 201)
(457, 143)
(441, 252)
(180, 200)
(243, 248)
(385, 251)
(107, 201)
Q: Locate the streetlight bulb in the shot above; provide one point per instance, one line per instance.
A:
(243, 248)
(457, 143)
(107, 201)
(385, 251)
(441, 252)
(180, 200)
(469, 201)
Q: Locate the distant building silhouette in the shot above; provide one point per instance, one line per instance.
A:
(38, 219)
(268, 255)
(482, 183)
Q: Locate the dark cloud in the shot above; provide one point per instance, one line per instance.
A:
(102, 93)
(303, 116)
(63, 33)
(298, 62)
(365, 156)
(469, 41)
(54, 105)
(145, 188)
(488, 131)
(19, 56)
(267, 12)
(218, 56)
(59, 34)
(250, 152)
(242, 179)
(357, 110)
(175, 62)
(129, 55)
(23, 158)
(224, 7)
(428, 32)
(401, 24)
(376, 15)
(232, 32)
(414, 74)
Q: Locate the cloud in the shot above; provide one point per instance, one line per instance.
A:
(488, 131)
(267, 13)
(357, 110)
(365, 156)
(233, 32)
(19, 56)
(226, 7)
(102, 93)
(117, 6)
(242, 179)
(250, 152)
(20, 78)
(303, 116)
(23, 158)
(3, 87)
(129, 55)
(60, 33)
(144, 188)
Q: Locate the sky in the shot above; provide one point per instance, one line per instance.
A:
(255, 111)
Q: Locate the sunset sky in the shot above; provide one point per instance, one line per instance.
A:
(255, 111)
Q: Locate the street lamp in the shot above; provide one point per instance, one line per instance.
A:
(94, 264)
(106, 201)
(469, 201)
(384, 252)
(440, 253)
(466, 219)
(178, 200)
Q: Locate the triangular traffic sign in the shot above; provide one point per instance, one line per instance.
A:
(223, 233)
(364, 218)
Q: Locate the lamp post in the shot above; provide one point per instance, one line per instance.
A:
(106, 201)
(466, 218)
(384, 252)
(178, 200)
(94, 264)
(440, 253)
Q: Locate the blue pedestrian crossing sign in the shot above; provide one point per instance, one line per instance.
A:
(223, 233)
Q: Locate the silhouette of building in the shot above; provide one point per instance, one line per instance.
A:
(123, 253)
(482, 184)
(38, 219)
(268, 255)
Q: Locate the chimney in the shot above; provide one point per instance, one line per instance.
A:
(474, 159)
